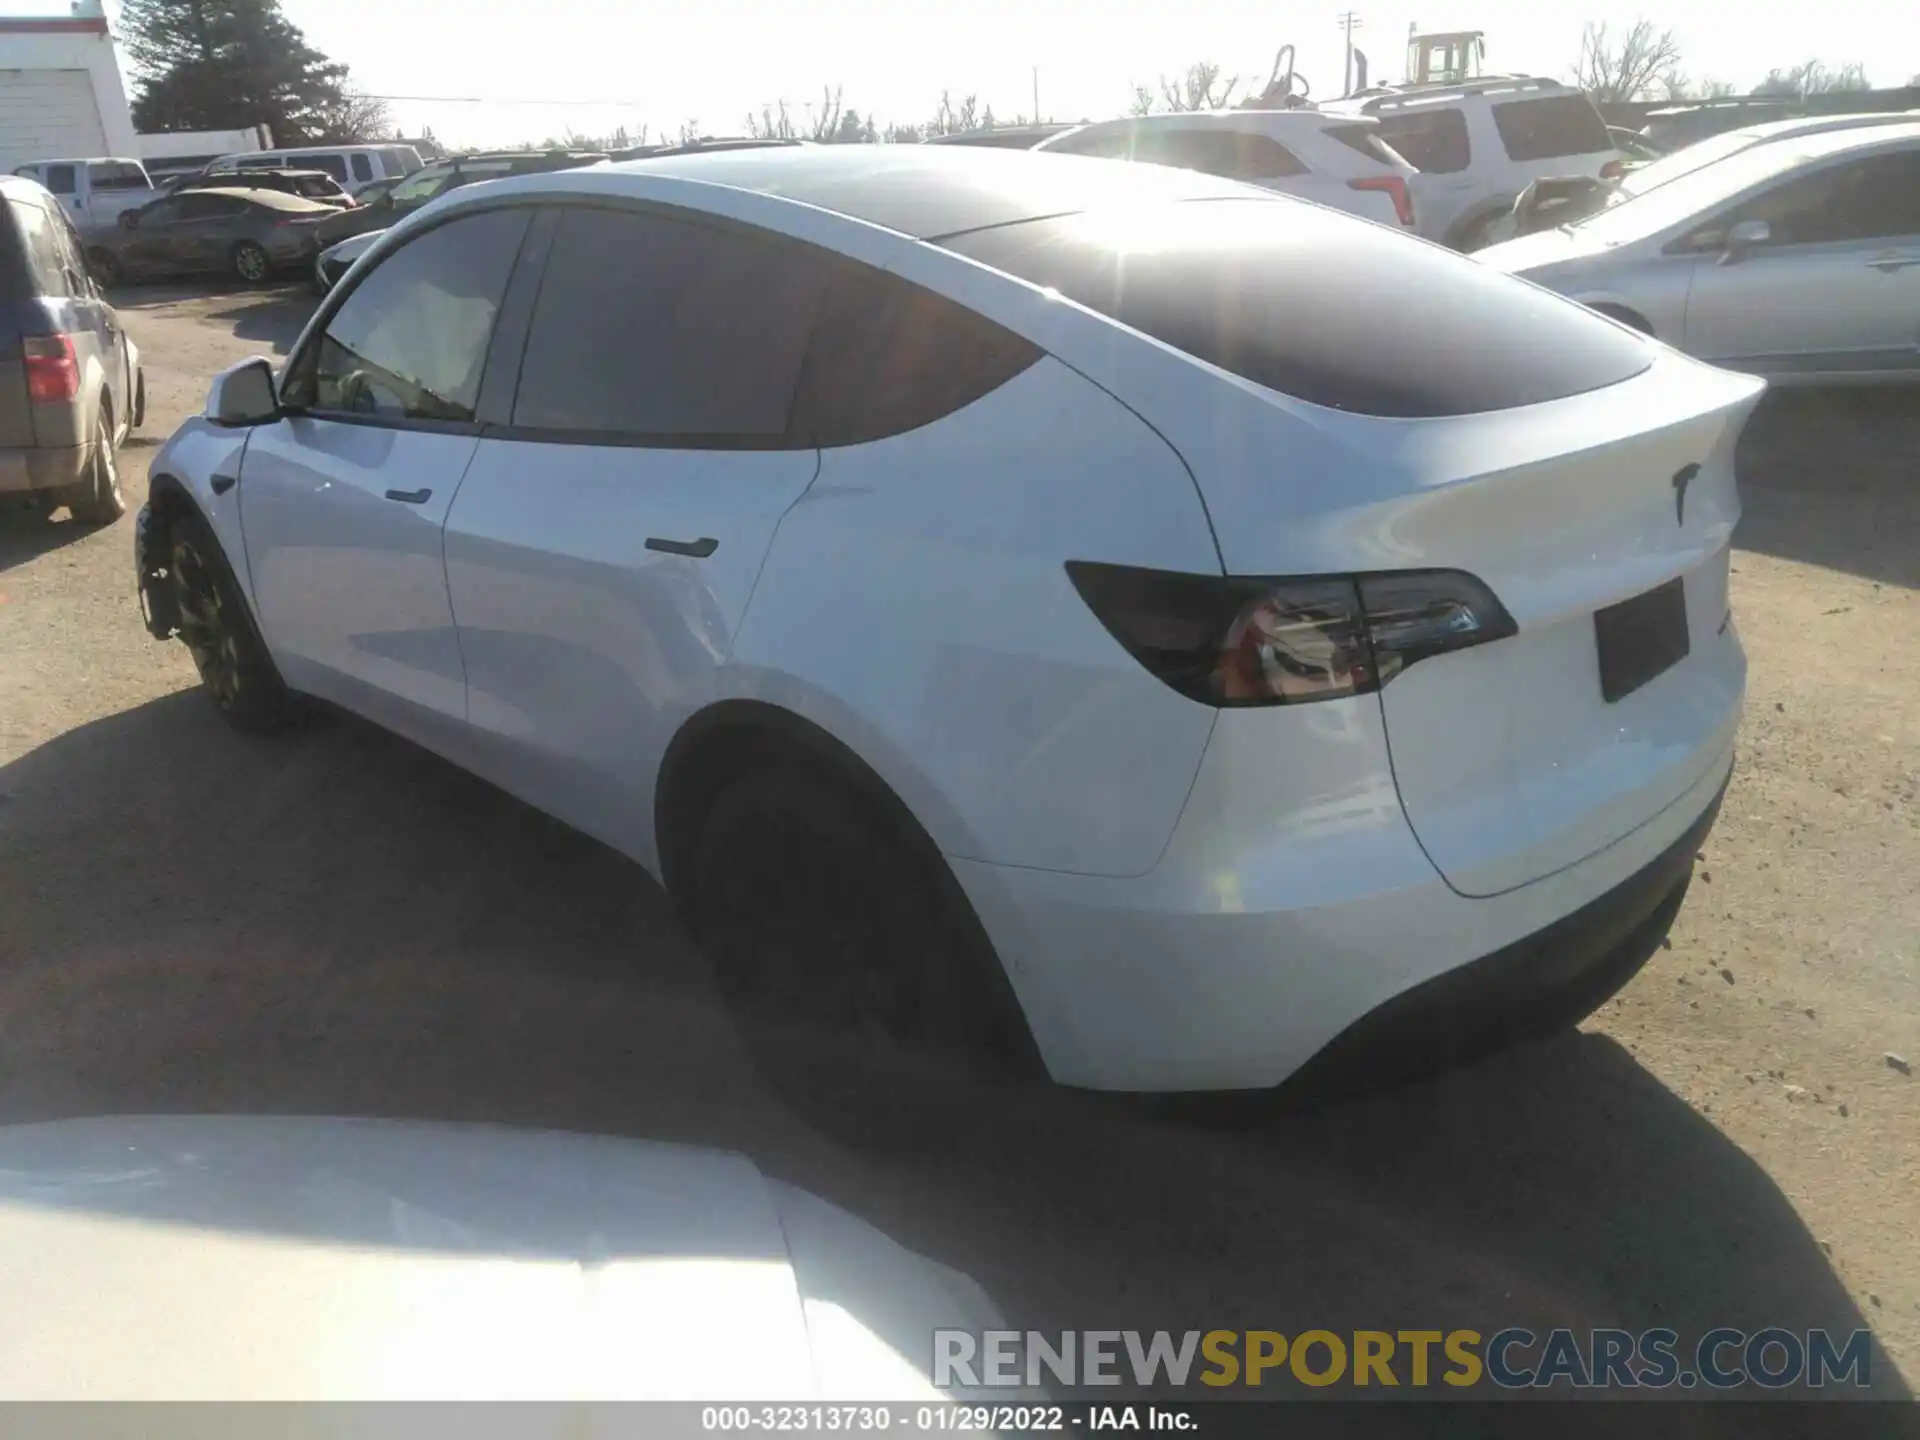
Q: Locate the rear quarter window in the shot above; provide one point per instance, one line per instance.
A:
(1433, 141)
(1364, 140)
(1550, 127)
(1320, 306)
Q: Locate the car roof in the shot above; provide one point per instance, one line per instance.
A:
(1231, 120)
(1818, 124)
(1823, 143)
(928, 191)
(272, 199)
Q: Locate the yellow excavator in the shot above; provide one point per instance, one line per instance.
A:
(1440, 57)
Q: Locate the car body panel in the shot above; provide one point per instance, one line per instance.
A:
(164, 239)
(328, 1260)
(350, 584)
(1046, 743)
(584, 648)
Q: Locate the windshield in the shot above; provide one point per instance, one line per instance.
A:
(1685, 162)
(1633, 217)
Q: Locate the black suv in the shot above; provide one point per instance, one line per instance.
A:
(70, 384)
(432, 181)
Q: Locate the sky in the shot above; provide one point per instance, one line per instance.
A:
(710, 62)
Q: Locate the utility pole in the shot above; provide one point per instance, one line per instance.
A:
(1036, 94)
(1349, 22)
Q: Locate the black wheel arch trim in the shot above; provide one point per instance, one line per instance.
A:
(167, 498)
(676, 816)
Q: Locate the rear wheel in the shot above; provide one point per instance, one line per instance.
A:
(865, 986)
(218, 631)
(98, 501)
(250, 262)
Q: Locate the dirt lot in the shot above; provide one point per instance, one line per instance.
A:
(336, 922)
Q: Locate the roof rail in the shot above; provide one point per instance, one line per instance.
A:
(1387, 95)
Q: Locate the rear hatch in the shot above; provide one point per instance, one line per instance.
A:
(1454, 420)
(18, 308)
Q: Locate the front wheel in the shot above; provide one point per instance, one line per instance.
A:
(250, 262)
(235, 668)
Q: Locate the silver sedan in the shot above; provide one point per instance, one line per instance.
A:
(1799, 260)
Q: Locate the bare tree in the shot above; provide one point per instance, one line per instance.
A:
(1201, 88)
(1813, 77)
(1143, 100)
(1630, 67)
(771, 123)
(824, 123)
(951, 119)
(689, 132)
(357, 119)
(1676, 86)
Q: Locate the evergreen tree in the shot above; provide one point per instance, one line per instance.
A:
(225, 64)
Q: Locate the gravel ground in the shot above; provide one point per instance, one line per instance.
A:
(337, 922)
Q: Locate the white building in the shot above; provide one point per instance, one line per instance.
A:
(60, 90)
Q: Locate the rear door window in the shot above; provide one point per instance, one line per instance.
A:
(41, 244)
(656, 329)
(62, 179)
(1321, 307)
(362, 165)
(1365, 140)
(1552, 126)
(1434, 141)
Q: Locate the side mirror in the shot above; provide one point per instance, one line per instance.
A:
(243, 395)
(1743, 237)
(384, 202)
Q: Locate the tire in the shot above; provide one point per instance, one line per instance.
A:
(250, 262)
(98, 500)
(218, 631)
(869, 996)
(139, 402)
(106, 267)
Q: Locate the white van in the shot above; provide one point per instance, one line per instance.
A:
(352, 165)
(94, 190)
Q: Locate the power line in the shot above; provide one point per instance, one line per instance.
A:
(500, 100)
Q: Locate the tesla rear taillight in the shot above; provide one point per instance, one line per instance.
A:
(1392, 186)
(53, 371)
(1227, 641)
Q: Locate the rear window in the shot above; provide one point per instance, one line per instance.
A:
(1319, 306)
(1551, 127)
(1434, 141)
(62, 179)
(40, 249)
(1365, 140)
(362, 165)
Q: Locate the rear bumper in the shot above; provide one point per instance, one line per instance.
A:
(43, 468)
(1551, 979)
(1264, 949)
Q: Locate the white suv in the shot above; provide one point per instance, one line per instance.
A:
(1479, 144)
(1337, 160)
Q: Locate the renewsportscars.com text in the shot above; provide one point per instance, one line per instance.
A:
(1607, 1359)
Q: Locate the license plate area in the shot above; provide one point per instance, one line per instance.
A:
(1640, 638)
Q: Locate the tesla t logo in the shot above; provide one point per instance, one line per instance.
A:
(1682, 478)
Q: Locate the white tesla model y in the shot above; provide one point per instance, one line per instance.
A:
(1093, 616)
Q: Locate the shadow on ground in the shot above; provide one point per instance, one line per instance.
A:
(335, 922)
(27, 534)
(1828, 477)
(272, 315)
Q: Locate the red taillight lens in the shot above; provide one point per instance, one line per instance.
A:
(53, 371)
(1393, 186)
(1613, 169)
(1236, 642)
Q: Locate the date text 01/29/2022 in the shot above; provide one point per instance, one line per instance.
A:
(950, 1418)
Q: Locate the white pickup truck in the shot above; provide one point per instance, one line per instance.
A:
(94, 189)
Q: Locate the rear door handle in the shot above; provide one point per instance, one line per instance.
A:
(699, 549)
(410, 497)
